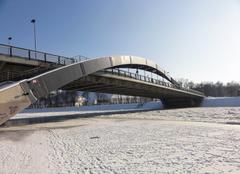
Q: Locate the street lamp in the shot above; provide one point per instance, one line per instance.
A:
(33, 21)
(9, 40)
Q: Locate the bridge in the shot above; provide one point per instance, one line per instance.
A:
(27, 75)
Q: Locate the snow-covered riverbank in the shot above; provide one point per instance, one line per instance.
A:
(146, 142)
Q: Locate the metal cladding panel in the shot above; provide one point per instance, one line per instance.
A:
(12, 101)
(151, 64)
(116, 60)
(126, 59)
(160, 69)
(120, 60)
(43, 84)
(94, 65)
(138, 60)
(62, 77)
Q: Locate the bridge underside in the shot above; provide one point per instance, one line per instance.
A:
(104, 83)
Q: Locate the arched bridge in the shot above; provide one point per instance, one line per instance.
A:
(103, 74)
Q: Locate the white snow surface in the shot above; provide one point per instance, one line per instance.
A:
(195, 140)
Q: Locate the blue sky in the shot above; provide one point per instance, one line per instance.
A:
(194, 39)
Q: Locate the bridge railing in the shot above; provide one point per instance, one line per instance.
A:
(80, 58)
(13, 51)
(147, 79)
(138, 77)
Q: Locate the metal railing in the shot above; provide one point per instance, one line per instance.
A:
(13, 51)
(16, 75)
(148, 79)
(80, 58)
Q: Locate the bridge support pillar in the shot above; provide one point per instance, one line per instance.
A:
(181, 102)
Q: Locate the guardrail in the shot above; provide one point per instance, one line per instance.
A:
(147, 79)
(34, 55)
(80, 58)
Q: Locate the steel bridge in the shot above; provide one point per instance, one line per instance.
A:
(40, 73)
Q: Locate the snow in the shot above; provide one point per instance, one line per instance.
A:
(192, 140)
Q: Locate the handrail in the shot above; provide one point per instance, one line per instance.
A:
(147, 79)
(34, 55)
(80, 58)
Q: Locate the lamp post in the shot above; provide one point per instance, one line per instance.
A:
(33, 21)
(9, 40)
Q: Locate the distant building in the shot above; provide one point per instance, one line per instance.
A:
(80, 101)
(115, 99)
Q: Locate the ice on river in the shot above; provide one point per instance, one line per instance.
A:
(195, 140)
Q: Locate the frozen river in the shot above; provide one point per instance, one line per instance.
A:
(197, 140)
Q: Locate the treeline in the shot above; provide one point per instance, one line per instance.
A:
(218, 89)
